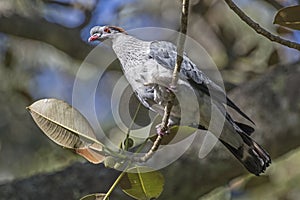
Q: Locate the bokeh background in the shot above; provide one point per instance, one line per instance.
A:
(44, 42)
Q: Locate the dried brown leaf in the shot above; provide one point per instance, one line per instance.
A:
(67, 127)
(288, 17)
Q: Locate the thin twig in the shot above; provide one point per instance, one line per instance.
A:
(179, 59)
(131, 125)
(126, 148)
(255, 26)
(173, 84)
(111, 189)
(181, 41)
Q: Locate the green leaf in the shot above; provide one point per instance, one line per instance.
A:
(96, 196)
(142, 183)
(67, 127)
(288, 17)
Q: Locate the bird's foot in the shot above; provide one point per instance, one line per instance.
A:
(172, 88)
(148, 84)
(162, 131)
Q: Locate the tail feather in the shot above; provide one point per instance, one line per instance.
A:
(250, 154)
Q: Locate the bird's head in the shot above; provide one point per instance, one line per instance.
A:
(102, 33)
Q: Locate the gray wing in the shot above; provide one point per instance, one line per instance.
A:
(165, 54)
(246, 150)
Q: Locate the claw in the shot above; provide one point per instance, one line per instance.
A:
(148, 84)
(172, 88)
(161, 131)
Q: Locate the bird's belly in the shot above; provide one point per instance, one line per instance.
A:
(152, 82)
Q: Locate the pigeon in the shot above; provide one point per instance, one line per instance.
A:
(148, 67)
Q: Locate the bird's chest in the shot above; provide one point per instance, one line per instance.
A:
(147, 73)
(152, 81)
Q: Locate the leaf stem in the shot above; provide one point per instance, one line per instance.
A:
(126, 148)
(114, 185)
(141, 180)
(122, 174)
(131, 125)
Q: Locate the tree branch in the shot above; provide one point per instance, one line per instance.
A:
(258, 29)
(179, 59)
(180, 43)
(180, 48)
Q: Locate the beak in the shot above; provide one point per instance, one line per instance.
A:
(94, 37)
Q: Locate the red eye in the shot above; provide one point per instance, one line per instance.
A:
(107, 30)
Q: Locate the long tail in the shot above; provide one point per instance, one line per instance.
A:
(250, 154)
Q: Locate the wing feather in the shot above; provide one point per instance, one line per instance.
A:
(165, 54)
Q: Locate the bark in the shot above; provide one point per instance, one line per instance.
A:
(272, 101)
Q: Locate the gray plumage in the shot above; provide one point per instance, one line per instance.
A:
(148, 67)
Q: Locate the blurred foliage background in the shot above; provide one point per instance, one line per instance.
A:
(44, 42)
